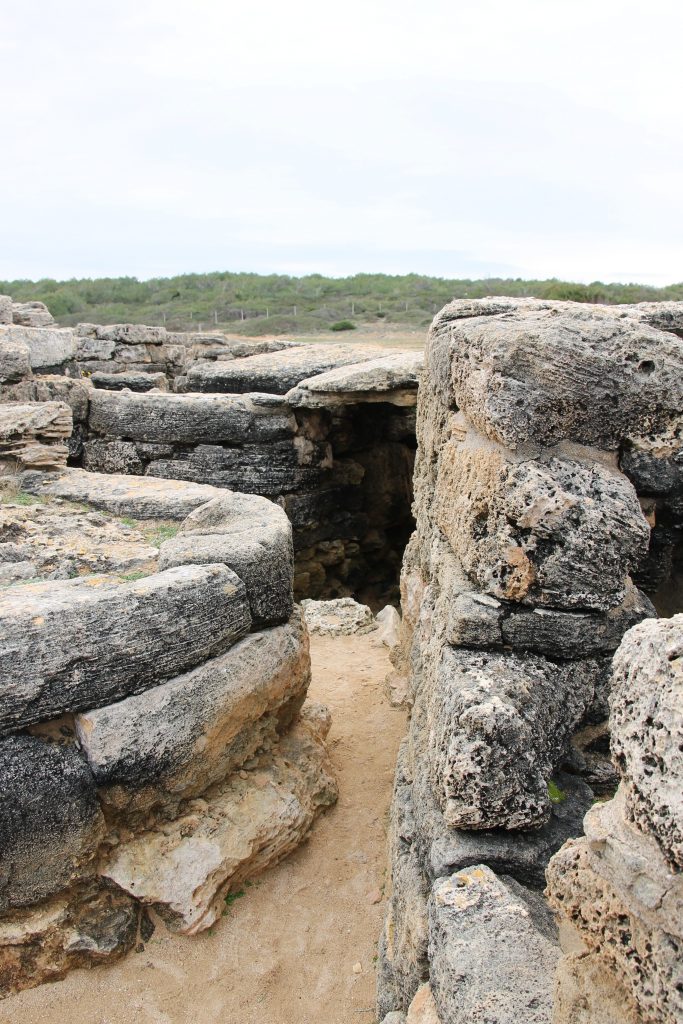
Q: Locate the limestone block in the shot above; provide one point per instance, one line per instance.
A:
(547, 375)
(132, 381)
(51, 388)
(92, 349)
(132, 334)
(422, 1010)
(489, 964)
(50, 819)
(138, 497)
(48, 346)
(108, 456)
(647, 729)
(15, 360)
(624, 907)
(499, 724)
(90, 927)
(558, 533)
(31, 314)
(266, 469)
(339, 617)
(82, 643)
(478, 620)
(391, 378)
(31, 434)
(275, 372)
(253, 537)
(179, 419)
(186, 868)
(5, 309)
(179, 738)
(654, 463)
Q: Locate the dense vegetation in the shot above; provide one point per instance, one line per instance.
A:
(272, 304)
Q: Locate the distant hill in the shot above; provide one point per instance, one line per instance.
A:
(276, 304)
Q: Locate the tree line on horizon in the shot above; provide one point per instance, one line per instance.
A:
(276, 304)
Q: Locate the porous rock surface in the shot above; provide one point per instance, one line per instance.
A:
(185, 870)
(338, 618)
(516, 589)
(253, 537)
(151, 725)
(177, 739)
(618, 891)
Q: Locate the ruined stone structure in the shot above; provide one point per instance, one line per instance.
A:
(155, 747)
(327, 431)
(189, 488)
(540, 426)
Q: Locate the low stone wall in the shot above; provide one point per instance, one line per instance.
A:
(154, 751)
(335, 451)
(618, 891)
(516, 591)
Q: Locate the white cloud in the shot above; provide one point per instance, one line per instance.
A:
(532, 139)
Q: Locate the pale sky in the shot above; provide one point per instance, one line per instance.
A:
(536, 138)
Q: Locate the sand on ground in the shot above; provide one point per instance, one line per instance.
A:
(285, 951)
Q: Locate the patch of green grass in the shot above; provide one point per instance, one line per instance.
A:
(231, 897)
(160, 533)
(127, 521)
(557, 795)
(130, 576)
(23, 498)
(343, 325)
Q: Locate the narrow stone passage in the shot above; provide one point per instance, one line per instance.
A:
(285, 951)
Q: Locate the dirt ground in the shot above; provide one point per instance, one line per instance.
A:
(285, 951)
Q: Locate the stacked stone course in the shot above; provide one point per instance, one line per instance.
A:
(517, 587)
(155, 749)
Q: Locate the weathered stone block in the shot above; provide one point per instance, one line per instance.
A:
(499, 724)
(31, 314)
(274, 372)
(180, 419)
(101, 456)
(50, 820)
(621, 905)
(177, 739)
(139, 497)
(647, 729)
(474, 977)
(478, 620)
(132, 381)
(31, 435)
(253, 537)
(92, 926)
(15, 361)
(48, 346)
(558, 533)
(86, 642)
(543, 376)
(5, 309)
(391, 378)
(186, 868)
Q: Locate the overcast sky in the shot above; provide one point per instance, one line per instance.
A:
(533, 138)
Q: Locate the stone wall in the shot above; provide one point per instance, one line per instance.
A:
(326, 431)
(618, 890)
(517, 588)
(155, 748)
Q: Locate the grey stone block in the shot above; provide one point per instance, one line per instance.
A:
(489, 964)
(253, 537)
(177, 739)
(87, 642)
(50, 819)
(499, 724)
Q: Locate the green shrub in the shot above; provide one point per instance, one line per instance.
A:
(343, 325)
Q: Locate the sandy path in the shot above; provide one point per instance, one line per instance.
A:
(286, 950)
